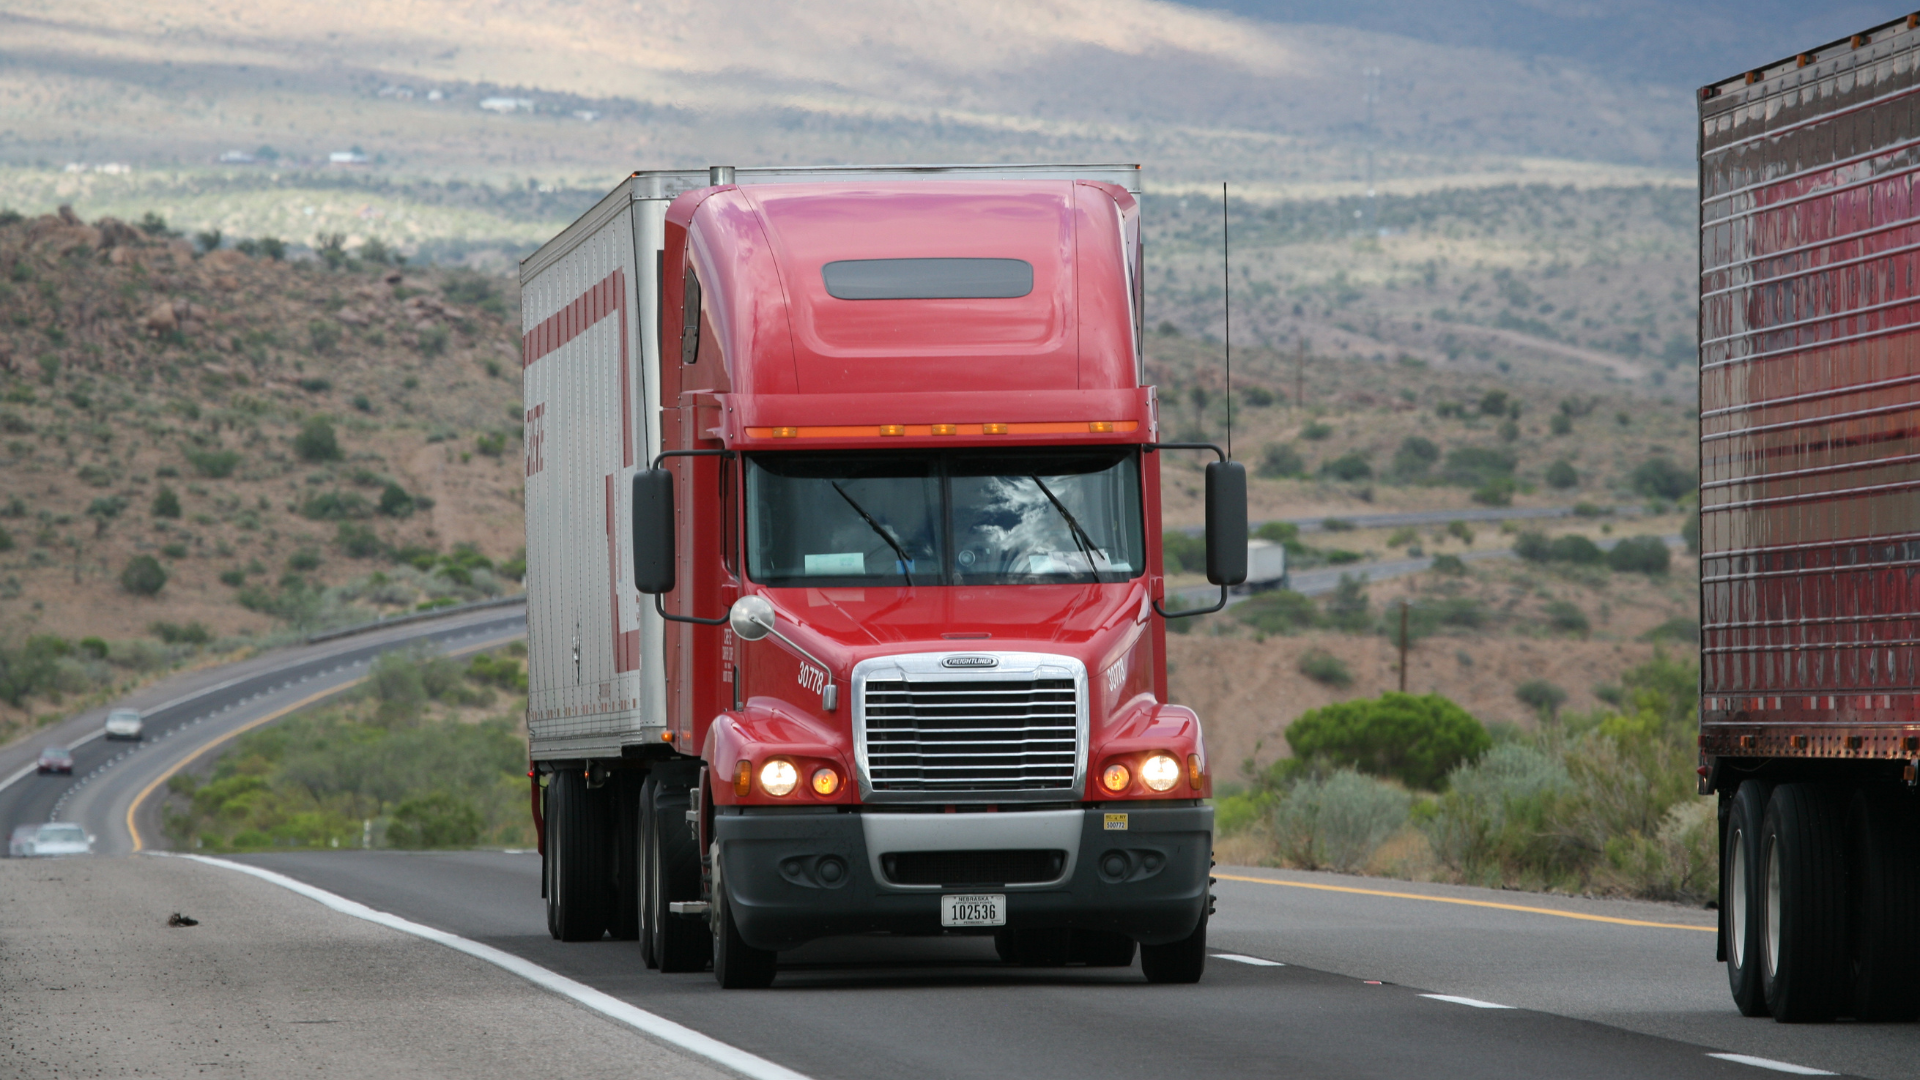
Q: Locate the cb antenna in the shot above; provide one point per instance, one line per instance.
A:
(1226, 281)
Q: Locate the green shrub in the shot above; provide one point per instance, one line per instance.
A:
(1690, 533)
(1415, 456)
(1660, 478)
(1494, 815)
(193, 633)
(395, 502)
(1679, 629)
(1183, 553)
(316, 440)
(166, 504)
(1416, 740)
(1347, 467)
(322, 335)
(1642, 554)
(214, 464)
(1347, 605)
(1566, 617)
(1541, 696)
(1338, 822)
(1562, 475)
(33, 667)
(433, 340)
(1496, 492)
(1315, 431)
(1430, 615)
(1476, 466)
(233, 578)
(436, 820)
(1576, 549)
(95, 647)
(336, 506)
(6, 540)
(316, 385)
(303, 560)
(1279, 460)
(357, 541)
(1451, 565)
(1325, 668)
(1460, 531)
(1561, 424)
(175, 550)
(1281, 611)
(143, 576)
(501, 671)
(492, 444)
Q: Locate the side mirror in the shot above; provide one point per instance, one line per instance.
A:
(751, 618)
(1226, 523)
(653, 530)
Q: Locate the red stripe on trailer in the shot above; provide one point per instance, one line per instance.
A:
(626, 646)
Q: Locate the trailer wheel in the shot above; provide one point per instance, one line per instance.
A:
(1740, 897)
(736, 964)
(548, 857)
(1101, 948)
(580, 891)
(1883, 893)
(1803, 905)
(1182, 961)
(680, 942)
(643, 865)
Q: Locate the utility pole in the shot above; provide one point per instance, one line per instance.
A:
(1403, 646)
(1373, 137)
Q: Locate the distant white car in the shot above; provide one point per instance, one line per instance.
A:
(53, 838)
(125, 724)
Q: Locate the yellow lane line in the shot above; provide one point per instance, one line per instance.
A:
(1467, 903)
(201, 751)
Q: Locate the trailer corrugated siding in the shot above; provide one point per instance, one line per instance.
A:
(1810, 405)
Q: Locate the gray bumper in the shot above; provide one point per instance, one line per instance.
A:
(793, 877)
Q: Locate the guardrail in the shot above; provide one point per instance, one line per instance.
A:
(416, 616)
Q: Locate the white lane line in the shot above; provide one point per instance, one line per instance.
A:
(652, 1024)
(1769, 1063)
(1254, 960)
(1474, 1002)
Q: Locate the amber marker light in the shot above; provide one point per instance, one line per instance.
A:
(786, 433)
(893, 429)
(1160, 772)
(946, 429)
(742, 777)
(825, 781)
(778, 777)
(1100, 427)
(993, 429)
(1194, 771)
(1116, 777)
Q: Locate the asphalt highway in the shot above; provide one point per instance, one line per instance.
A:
(1313, 974)
(189, 715)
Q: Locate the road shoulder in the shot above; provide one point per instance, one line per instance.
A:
(268, 983)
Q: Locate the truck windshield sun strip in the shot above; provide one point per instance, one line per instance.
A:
(928, 279)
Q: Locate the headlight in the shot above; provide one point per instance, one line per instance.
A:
(825, 781)
(778, 777)
(1116, 777)
(1160, 772)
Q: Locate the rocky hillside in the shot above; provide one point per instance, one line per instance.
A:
(203, 442)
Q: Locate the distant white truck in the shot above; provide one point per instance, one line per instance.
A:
(1266, 566)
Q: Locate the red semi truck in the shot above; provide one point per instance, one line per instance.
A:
(844, 572)
(1810, 524)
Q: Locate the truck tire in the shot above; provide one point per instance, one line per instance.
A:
(1182, 961)
(643, 864)
(626, 884)
(1803, 905)
(580, 890)
(1740, 898)
(736, 964)
(1883, 895)
(1101, 948)
(680, 942)
(547, 892)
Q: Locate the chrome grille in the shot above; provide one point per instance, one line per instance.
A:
(1019, 733)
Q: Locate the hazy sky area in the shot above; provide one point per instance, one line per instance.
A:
(1678, 44)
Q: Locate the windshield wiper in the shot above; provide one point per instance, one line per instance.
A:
(879, 530)
(1080, 538)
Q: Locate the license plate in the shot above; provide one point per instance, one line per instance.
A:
(974, 909)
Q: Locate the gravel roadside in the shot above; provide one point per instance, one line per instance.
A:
(95, 983)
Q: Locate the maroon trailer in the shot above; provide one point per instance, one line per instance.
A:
(1810, 524)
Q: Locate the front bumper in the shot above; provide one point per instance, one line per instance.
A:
(792, 877)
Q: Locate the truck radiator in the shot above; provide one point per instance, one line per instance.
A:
(1000, 735)
(971, 868)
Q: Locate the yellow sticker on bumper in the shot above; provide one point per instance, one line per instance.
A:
(1116, 823)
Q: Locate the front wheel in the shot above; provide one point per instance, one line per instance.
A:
(736, 964)
(680, 942)
(1182, 961)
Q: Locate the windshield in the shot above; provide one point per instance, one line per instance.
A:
(62, 834)
(945, 518)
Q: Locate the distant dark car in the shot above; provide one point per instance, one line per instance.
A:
(56, 759)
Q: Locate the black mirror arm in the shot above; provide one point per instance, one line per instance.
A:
(1185, 614)
(658, 606)
(1219, 453)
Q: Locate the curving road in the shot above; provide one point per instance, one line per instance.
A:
(1313, 974)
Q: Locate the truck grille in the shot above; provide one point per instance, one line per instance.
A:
(969, 868)
(974, 735)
